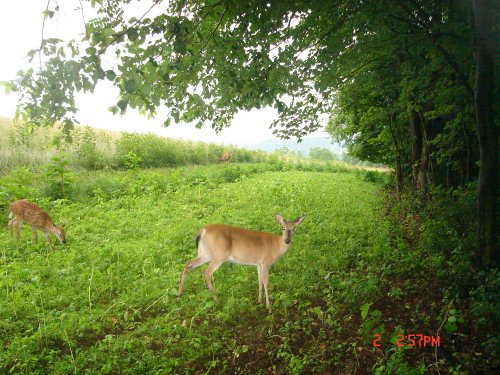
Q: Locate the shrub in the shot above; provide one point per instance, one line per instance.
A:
(17, 185)
(58, 178)
(84, 143)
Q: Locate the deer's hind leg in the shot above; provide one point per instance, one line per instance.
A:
(212, 267)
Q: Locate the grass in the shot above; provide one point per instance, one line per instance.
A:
(94, 149)
(86, 148)
(105, 302)
(366, 263)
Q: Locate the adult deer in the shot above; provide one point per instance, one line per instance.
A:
(218, 243)
(21, 211)
(225, 157)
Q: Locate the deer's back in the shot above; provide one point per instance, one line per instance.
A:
(29, 212)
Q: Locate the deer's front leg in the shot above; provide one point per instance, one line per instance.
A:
(34, 234)
(259, 271)
(47, 238)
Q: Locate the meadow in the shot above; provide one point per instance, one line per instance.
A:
(106, 300)
(366, 266)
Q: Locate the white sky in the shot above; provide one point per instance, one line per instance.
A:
(20, 31)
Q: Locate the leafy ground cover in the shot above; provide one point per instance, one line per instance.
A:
(364, 262)
(106, 300)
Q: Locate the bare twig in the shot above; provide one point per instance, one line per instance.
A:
(155, 302)
(43, 29)
(439, 331)
(83, 18)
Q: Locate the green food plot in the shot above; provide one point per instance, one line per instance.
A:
(106, 301)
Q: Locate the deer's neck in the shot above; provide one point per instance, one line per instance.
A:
(283, 246)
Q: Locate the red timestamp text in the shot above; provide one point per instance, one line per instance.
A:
(412, 339)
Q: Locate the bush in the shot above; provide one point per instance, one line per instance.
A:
(152, 151)
(58, 178)
(374, 176)
(17, 185)
(320, 153)
(84, 144)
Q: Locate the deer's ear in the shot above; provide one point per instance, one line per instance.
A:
(299, 219)
(63, 225)
(280, 219)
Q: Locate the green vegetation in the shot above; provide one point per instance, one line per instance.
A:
(405, 83)
(89, 148)
(409, 83)
(321, 154)
(106, 300)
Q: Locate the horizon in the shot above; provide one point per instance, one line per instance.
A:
(267, 145)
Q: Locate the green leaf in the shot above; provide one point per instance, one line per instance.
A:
(130, 86)
(364, 310)
(110, 75)
(91, 51)
(122, 104)
(8, 87)
(132, 34)
(450, 328)
(48, 13)
(107, 32)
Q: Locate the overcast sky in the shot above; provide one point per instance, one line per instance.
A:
(20, 31)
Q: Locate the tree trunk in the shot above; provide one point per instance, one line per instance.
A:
(467, 167)
(399, 174)
(416, 144)
(397, 152)
(487, 133)
(423, 165)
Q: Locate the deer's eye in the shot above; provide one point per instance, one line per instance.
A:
(283, 228)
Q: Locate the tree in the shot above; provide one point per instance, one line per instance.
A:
(396, 76)
(321, 153)
(484, 18)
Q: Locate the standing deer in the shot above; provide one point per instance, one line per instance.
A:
(218, 243)
(225, 157)
(21, 211)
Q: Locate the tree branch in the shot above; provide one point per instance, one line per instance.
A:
(43, 29)
(124, 31)
(83, 18)
(214, 30)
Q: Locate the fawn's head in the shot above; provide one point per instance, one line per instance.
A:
(288, 227)
(60, 233)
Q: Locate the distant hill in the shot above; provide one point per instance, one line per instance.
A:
(292, 144)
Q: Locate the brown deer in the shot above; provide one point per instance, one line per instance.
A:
(219, 243)
(226, 156)
(21, 211)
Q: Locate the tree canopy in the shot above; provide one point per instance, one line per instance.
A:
(408, 83)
